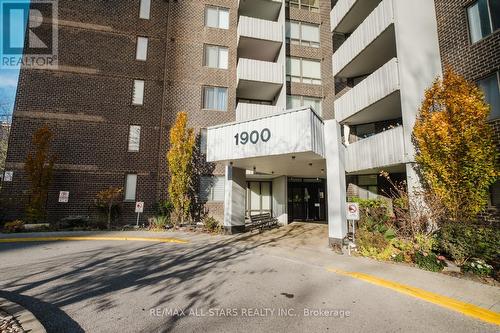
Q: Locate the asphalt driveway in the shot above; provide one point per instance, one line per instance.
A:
(221, 284)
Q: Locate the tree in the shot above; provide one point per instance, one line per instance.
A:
(39, 169)
(455, 152)
(107, 200)
(180, 164)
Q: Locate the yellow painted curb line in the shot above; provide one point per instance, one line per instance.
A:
(446, 302)
(92, 238)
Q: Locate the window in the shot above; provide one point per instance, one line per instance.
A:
(211, 188)
(484, 18)
(134, 138)
(217, 17)
(130, 187)
(138, 95)
(491, 90)
(216, 56)
(303, 70)
(259, 198)
(300, 33)
(142, 49)
(215, 98)
(295, 101)
(145, 9)
(311, 5)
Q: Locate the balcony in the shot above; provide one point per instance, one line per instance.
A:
(347, 15)
(376, 98)
(287, 143)
(259, 80)
(247, 111)
(263, 9)
(371, 45)
(259, 39)
(376, 152)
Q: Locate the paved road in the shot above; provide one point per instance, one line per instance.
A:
(211, 284)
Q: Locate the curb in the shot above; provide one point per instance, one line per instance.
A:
(25, 318)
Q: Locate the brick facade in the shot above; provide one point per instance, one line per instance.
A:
(87, 101)
(474, 61)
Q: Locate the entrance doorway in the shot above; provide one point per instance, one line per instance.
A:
(306, 199)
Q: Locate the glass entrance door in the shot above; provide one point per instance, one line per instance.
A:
(306, 199)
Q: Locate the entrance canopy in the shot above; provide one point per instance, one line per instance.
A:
(290, 143)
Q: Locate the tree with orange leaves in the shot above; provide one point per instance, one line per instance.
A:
(39, 168)
(455, 151)
(180, 163)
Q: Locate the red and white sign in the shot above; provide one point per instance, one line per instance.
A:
(352, 211)
(139, 207)
(63, 196)
(8, 175)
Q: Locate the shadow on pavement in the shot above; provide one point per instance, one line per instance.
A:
(50, 316)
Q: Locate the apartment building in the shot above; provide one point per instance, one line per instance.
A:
(469, 40)
(298, 104)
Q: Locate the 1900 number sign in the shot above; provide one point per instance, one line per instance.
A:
(254, 137)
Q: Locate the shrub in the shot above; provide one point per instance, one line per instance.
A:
(14, 226)
(164, 208)
(160, 223)
(212, 225)
(478, 267)
(72, 222)
(429, 261)
(463, 241)
(108, 203)
(454, 142)
(374, 245)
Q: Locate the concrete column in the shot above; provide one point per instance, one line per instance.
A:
(280, 204)
(336, 185)
(234, 200)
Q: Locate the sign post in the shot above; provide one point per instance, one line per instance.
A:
(139, 208)
(352, 214)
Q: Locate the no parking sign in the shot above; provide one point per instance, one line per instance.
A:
(352, 211)
(139, 207)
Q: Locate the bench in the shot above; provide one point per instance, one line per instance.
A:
(261, 222)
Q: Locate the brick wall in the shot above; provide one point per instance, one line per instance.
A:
(87, 105)
(473, 61)
(87, 101)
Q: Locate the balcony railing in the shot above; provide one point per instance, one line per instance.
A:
(372, 89)
(260, 29)
(342, 7)
(374, 25)
(247, 111)
(260, 71)
(376, 152)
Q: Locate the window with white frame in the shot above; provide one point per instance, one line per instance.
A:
(134, 138)
(303, 70)
(301, 33)
(216, 56)
(142, 49)
(311, 5)
(217, 17)
(491, 89)
(130, 187)
(484, 18)
(211, 188)
(296, 101)
(138, 94)
(145, 9)
(215, 98)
